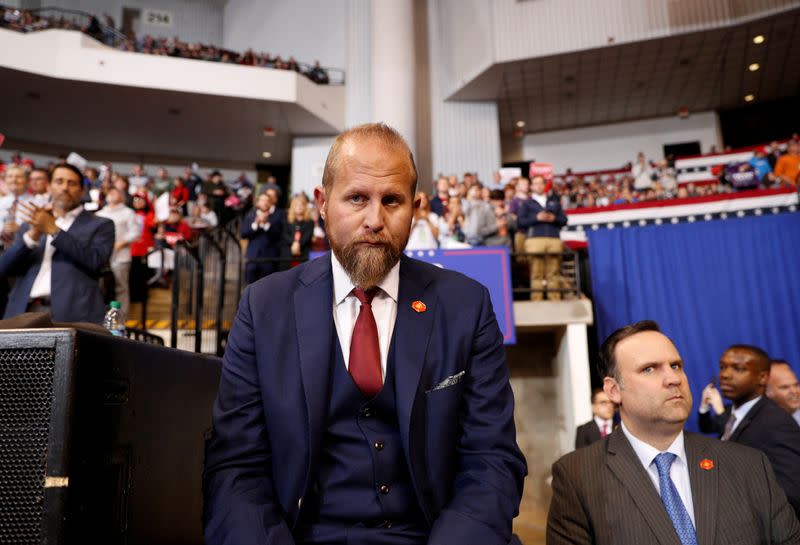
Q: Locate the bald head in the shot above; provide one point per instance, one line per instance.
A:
(373, 139)
(783, 387)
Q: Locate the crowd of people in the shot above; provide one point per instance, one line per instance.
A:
(29, 21)
(645, 180)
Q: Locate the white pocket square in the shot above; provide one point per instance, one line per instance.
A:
(449, 381)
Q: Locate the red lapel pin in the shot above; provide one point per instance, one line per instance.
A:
(707, 464)
(419, 306)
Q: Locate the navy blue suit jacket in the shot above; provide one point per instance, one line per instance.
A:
(527, 222)
(263, 243)
(270, 414)
(82, 252)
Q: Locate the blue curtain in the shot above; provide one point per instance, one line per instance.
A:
(708, 285)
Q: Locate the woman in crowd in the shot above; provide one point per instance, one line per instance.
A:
(139, 271)
(424, 227)
(297, 233)
(179, 194)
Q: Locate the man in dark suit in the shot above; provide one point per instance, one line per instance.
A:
(651, 482)
(542, 218)
(263, 229)
(753, 419)
(601, 425)
(59, 254)
(364, 396)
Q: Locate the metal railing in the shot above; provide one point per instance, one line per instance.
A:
(569, 275)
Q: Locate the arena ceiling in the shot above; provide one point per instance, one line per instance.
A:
(709, 70)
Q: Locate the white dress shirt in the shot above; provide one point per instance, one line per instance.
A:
(609, 424)
(741, 411)
(679, 471)
(346, 308)
(41, 284)
(254, 226)
(541, 199)
(126, 227)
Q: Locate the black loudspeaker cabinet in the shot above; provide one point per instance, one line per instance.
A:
(101, 439)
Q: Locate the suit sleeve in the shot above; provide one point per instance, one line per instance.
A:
(91, 254)
(16, 259)
(783, 451)
(561, 217)
(580, 437)
(488, 484)
(567, 522)
(711, 423)
(246, 230)
(527, 216)
(240, 504)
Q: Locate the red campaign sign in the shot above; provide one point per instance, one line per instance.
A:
(544, 170)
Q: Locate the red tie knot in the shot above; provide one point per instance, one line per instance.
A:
(365, 297)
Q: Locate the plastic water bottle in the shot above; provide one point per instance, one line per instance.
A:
(115, 320)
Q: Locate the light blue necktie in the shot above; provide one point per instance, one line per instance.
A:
(672, 500)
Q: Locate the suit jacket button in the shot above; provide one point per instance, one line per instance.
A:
(368, 413)
(300, 503)
(387, 524)
(378, 445)
(384, 489)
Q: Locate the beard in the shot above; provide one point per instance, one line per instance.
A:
(367, 265)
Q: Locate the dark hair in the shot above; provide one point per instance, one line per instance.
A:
(761, 358)
(42, 170)
(607, 365)
(69, 167)
(496, 195)
(595, 392)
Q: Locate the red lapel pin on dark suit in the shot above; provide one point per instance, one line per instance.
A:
(707, 464)
(419, 306)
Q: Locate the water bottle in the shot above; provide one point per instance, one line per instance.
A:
(115, 320)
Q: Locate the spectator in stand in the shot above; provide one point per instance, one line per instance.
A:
(127, 230)
(139, 178)
(297, 233)
(318, 74)
(502, 236)
(202, 217)
(642, 173)
(59, 255)
(479, 218)
(217, 192)
(121, 182)
(783, 388)
(168, 233)
(180, 194)
(243, 189)
(146, 220)
(11, 213)
(193, 182)
(162, 183)
(451, 235)
(788, 166)
(762, 168)
(263, 228)
(425, 226)
(38, 182)
(440, 200)
(543, 219)
(523, 194)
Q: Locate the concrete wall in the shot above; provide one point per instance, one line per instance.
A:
(308, 161)
(611, 146)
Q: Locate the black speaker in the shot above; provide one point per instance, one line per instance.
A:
(101, 439)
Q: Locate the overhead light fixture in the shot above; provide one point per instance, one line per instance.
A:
(753, 67)
(266, 155)
(759, 39)
(520, 124)
(749, 98)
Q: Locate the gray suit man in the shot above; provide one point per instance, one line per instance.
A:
(649, 481)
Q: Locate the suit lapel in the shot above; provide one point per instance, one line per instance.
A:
(751, 414)
(704, 488)
(313, 313)
(412, 330)
(624, 463)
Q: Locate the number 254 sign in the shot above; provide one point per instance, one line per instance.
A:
(157, 17)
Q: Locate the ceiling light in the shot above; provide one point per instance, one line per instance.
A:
(749, 98)
(266, 155)
(753, 67)
(520, 123)
(759, 39)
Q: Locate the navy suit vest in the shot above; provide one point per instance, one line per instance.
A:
(362, 482)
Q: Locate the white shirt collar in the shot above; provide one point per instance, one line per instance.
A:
(342, 285)
(741, 411)
(647, 453)
(70, 216)
(600, 421)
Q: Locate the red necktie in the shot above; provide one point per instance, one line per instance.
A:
(604, 432)
(365, 352)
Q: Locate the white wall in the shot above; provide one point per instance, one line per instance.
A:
(308, 161)
(194, 21)
(611, 146)
(308, 30)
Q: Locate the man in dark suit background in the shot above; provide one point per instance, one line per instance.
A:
(59, 254)
(601, 424)
(263, 228)
(753, 419)
(364, 396)
(651, 482)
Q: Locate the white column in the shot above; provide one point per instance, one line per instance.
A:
(393, 66)
(574, 384)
